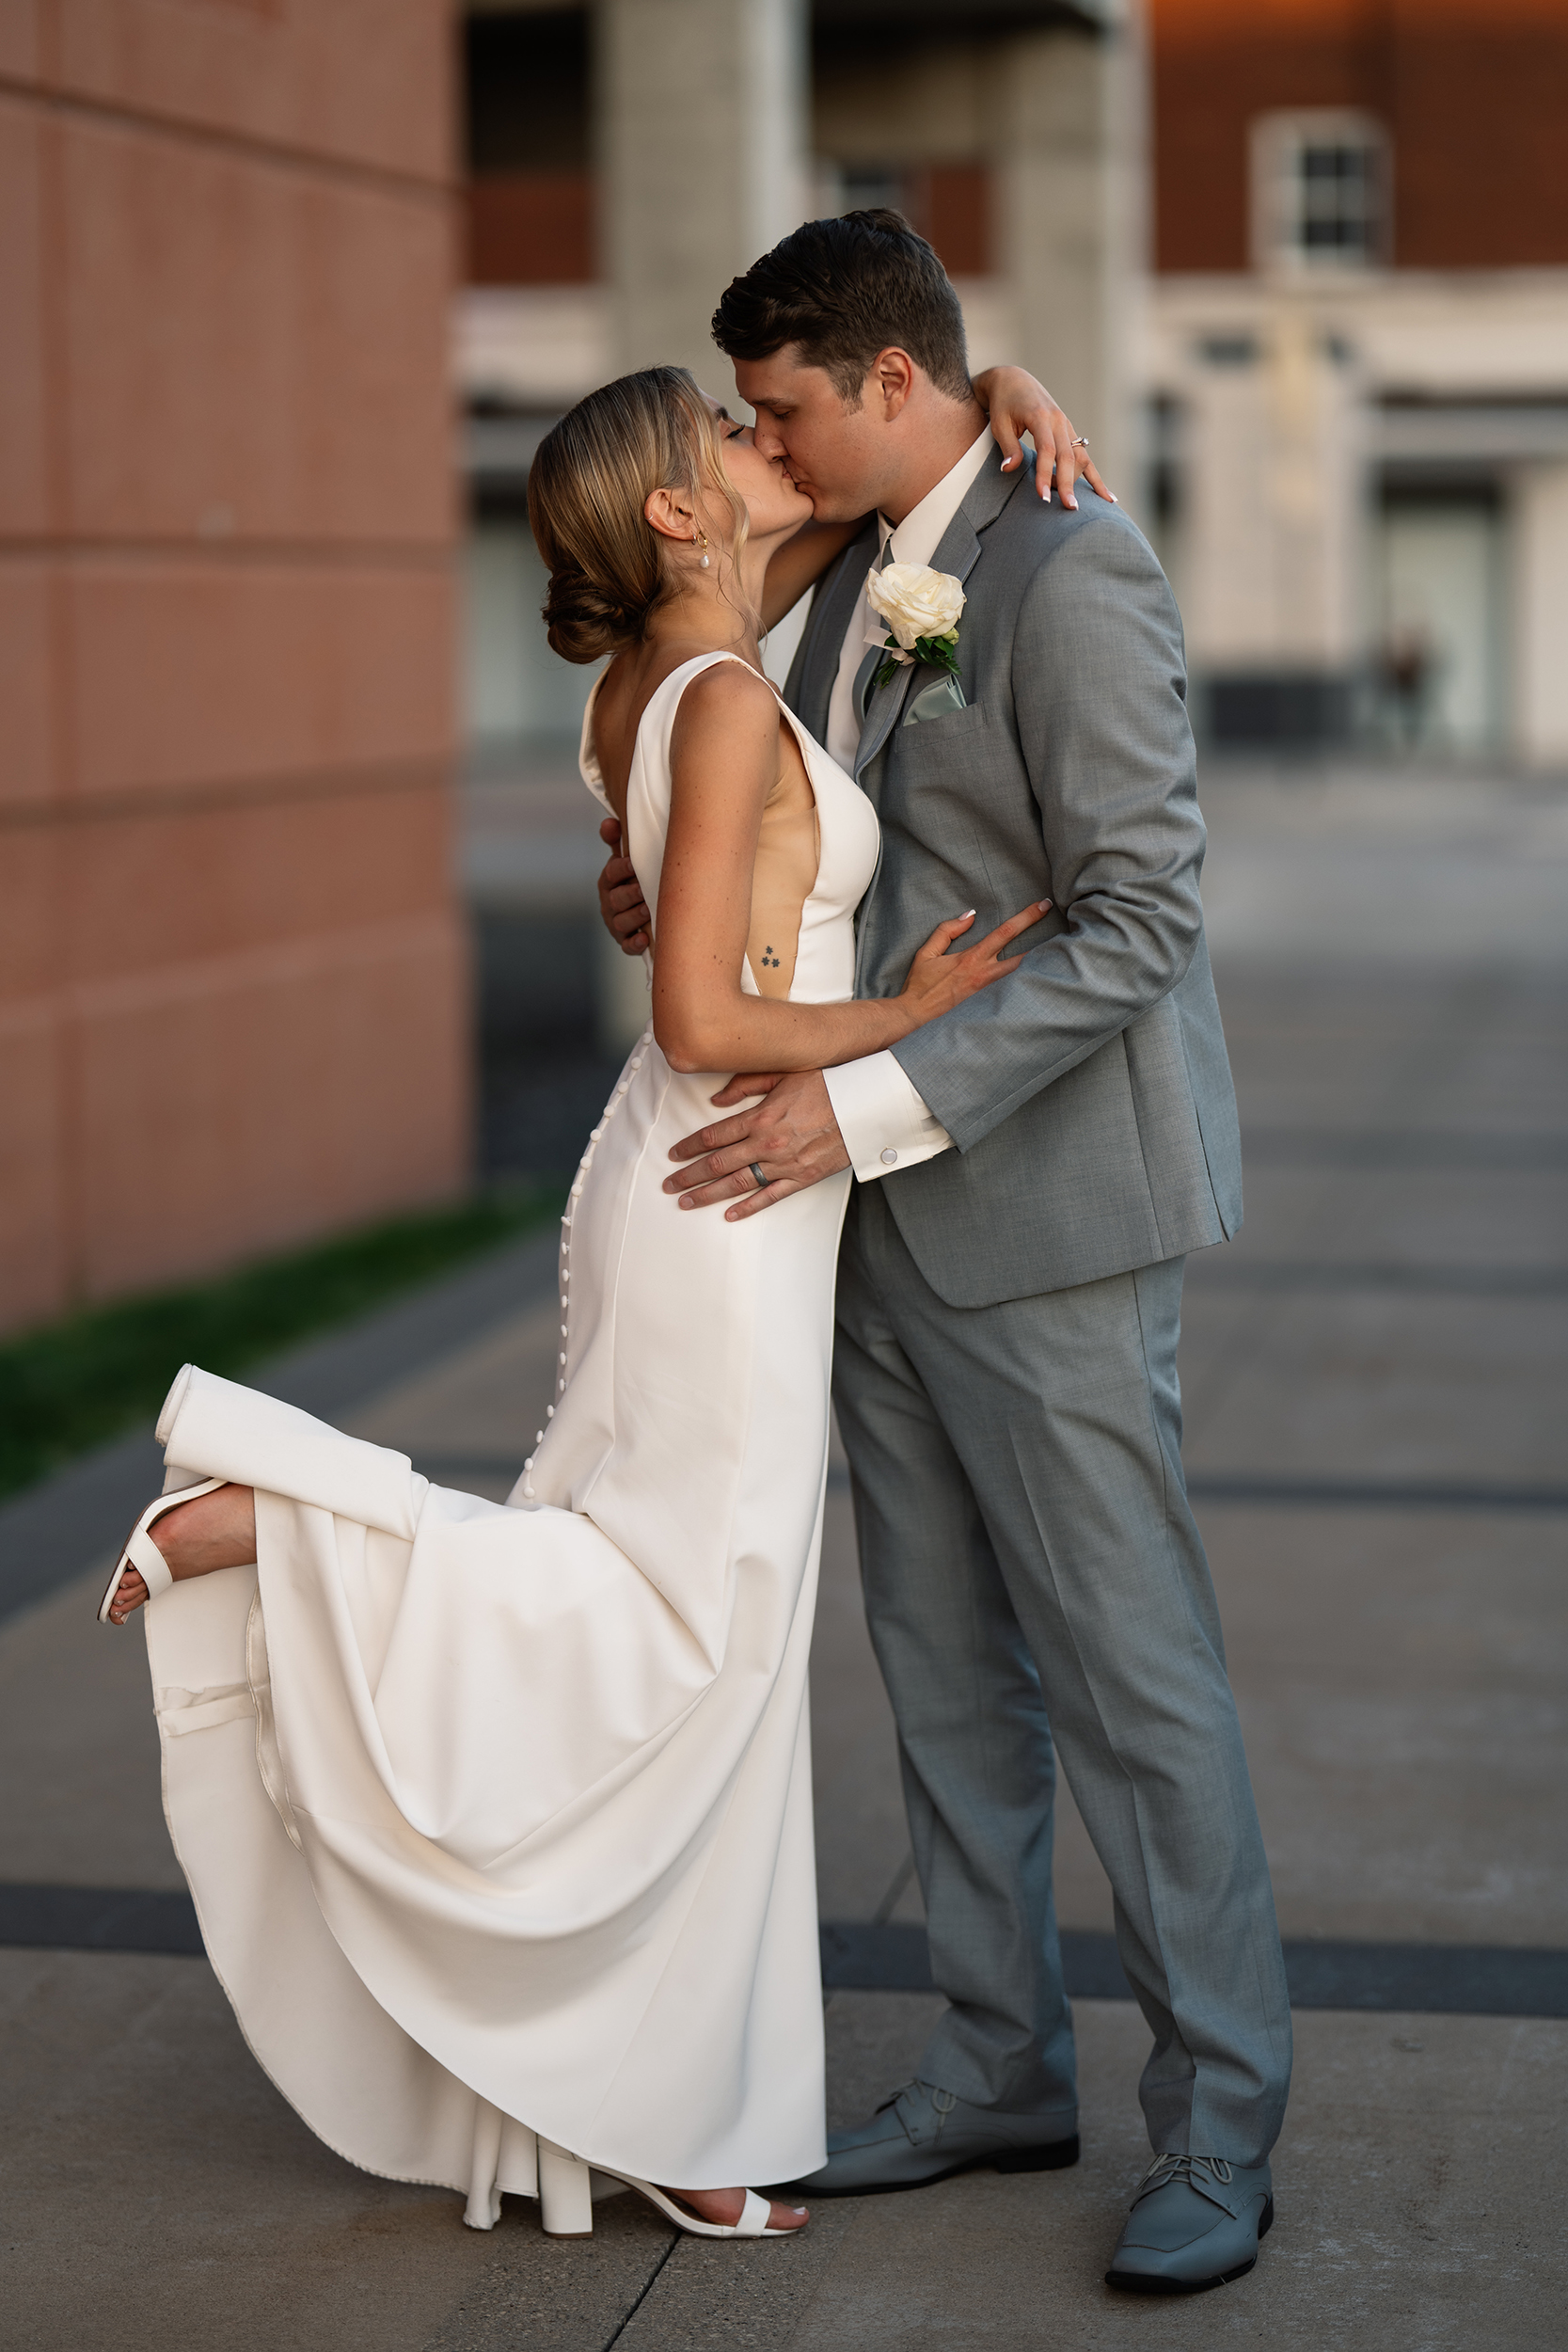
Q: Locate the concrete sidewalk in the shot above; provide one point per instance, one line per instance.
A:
(1374, 1382)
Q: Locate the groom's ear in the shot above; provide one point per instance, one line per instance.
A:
(891, 381)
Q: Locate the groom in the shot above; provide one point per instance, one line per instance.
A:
(1032, 1170)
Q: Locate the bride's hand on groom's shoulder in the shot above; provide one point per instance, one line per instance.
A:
(1018, 403)
(622, 905)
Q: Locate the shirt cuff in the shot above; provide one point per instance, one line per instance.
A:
(884, 1123)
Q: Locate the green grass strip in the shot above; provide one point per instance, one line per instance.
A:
(72, 1384)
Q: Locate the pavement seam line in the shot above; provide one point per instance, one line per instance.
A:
(648, 2290)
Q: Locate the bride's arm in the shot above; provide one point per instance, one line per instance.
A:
(799, 564)
(724, 760)
(1018, 403)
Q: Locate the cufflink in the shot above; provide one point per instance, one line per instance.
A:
(889, 1157)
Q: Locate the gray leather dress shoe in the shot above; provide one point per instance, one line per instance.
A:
(926, 2134)
(1195, 2222)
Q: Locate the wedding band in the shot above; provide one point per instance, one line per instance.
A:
(762, 1181)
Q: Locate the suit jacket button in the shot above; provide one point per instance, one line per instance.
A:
(889, 1158)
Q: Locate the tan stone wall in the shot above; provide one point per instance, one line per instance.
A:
(233, 986)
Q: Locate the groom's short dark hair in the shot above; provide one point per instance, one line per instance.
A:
(845, 290)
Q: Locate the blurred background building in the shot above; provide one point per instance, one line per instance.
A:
(1298, 267)
(1358, 366)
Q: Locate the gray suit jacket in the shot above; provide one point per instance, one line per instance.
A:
(1090, 1093)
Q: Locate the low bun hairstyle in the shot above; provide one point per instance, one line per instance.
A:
(589, 483)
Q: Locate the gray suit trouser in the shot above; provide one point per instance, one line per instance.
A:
(1031, 1568)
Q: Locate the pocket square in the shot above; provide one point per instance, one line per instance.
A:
(935, 700)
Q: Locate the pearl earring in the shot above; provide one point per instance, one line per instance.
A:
(702, 559)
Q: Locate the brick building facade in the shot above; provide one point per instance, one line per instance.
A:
(233, 974)
(1473, 95)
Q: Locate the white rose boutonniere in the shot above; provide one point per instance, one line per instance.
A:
(921, 608)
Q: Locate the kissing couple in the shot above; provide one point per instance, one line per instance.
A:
(497, 1817)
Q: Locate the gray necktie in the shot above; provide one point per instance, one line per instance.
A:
(863, 676)
(867, 671)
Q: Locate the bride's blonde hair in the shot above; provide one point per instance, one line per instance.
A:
(609, 570)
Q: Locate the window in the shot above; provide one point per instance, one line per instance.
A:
(1320, 191)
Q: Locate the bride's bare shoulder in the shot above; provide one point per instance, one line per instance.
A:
(726, 708)
(729, 692)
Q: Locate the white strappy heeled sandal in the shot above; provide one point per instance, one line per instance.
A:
(142, 1554)
(566, 2210)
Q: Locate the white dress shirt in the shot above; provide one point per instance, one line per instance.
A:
(882, 1119)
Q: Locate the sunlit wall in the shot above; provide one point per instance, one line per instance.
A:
(234, 1005)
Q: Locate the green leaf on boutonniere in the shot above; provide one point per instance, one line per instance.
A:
(932, 653)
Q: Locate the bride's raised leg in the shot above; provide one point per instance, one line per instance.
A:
(215, 1528)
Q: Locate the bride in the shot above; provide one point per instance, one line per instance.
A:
(497, 1817)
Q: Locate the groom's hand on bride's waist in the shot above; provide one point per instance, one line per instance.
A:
(790, 1136)
(621, 908)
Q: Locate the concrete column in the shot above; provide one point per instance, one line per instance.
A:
(1067, 108)
(1274, 546)
(702, 122)
(1541, 603)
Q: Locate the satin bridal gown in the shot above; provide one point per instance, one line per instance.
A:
(497, 1817)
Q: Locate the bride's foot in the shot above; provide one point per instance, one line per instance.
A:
(213, 1531)
(724, 2205)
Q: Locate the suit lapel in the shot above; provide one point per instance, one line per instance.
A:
(816, 666)
(959, 552)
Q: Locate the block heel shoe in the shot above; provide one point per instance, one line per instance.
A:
(566, 2206)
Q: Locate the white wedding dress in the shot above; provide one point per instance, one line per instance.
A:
(497, 1817)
